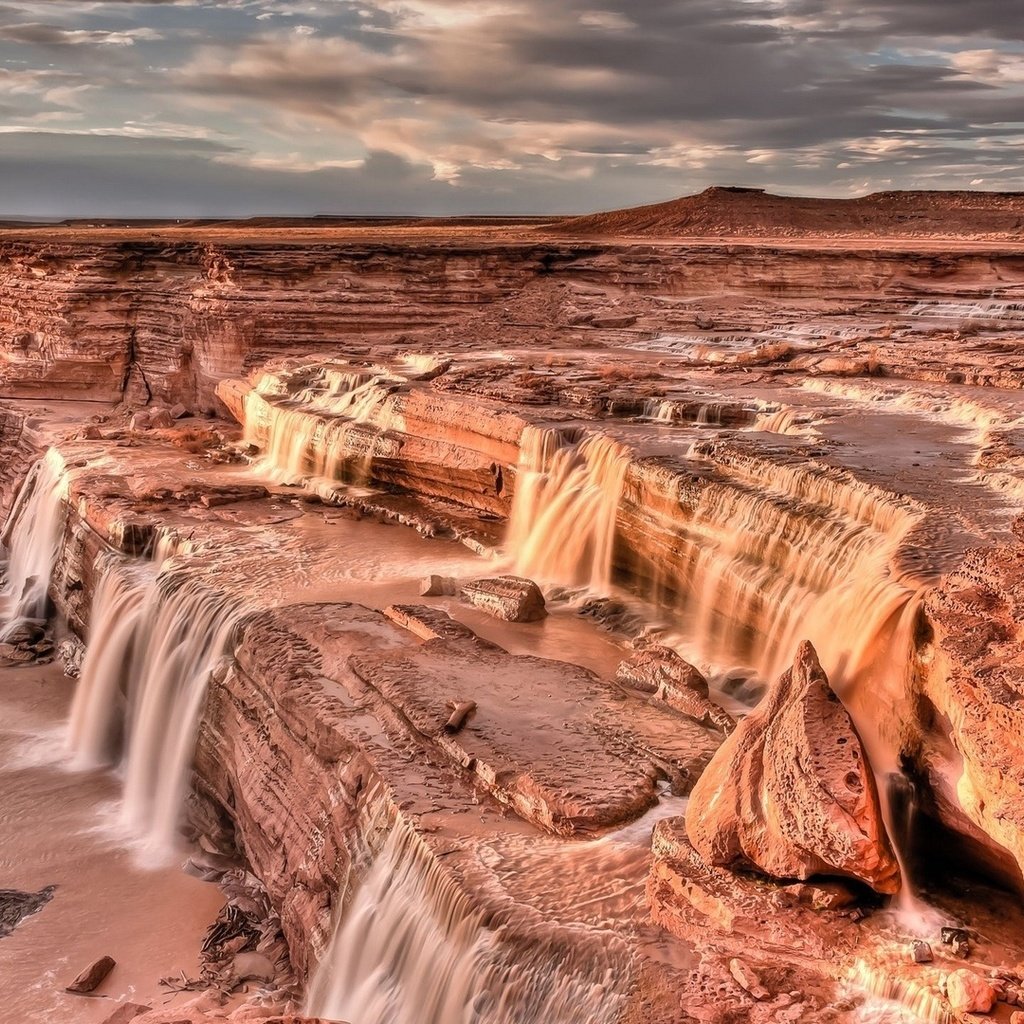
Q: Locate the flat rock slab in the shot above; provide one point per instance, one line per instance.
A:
(429, 623)
(685, 895)
(566, 749)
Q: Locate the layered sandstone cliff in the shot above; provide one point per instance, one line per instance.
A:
(734, 448)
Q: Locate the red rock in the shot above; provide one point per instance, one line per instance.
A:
(511, 598)
(126, 1013)
(660, 670)
(93, 976)
(790, 792)
(747, 979)
(968, 992)
(438, 586)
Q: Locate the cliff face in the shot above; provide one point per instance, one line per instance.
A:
(169, 319)
(753, 447)
(325, 729)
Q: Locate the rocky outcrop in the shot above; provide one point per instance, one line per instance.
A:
(972, 679)
(790, 793)
(660, 670)
(511, 598)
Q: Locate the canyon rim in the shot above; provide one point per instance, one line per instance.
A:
(565, 621)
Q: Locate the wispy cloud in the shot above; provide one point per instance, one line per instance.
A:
(528, 104)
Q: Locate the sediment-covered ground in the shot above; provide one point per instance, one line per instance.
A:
(424, 578)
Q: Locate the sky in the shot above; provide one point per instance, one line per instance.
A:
(182, 108)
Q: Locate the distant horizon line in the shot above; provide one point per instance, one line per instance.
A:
(136, 219)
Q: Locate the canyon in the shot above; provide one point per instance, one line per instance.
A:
(515, 621)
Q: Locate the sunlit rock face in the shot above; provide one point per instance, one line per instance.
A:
(791, 793)
(976, 683)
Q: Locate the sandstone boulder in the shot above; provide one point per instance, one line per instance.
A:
(968, 992)
(160, 419)
(511, 598)
(790, 793)
(654, 665)
(93, 976)
(657, 669)
(438, 586)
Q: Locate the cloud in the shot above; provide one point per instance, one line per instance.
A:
(35, 34)
(526, 103)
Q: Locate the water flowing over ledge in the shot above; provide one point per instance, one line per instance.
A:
(411, 949)
(154, 640)
(33, 537)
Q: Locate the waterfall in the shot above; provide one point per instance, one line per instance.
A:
(411, 949)
(658, 409)
(780, 421)
(154, 640)
(980, 310)
(32, 538)
(568, 488)
(321, 431)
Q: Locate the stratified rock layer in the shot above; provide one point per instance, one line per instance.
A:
(790, 793)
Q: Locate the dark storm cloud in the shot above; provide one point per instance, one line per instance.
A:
(524, 104)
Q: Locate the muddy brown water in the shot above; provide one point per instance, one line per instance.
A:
(56, 829)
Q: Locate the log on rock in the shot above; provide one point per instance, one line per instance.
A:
(790, 792)
(93, 976)
(511, 598)
(460, 713)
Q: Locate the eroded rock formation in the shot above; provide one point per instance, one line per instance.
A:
(791, 793)
(739, 446)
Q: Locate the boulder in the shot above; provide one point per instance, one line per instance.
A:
(252, 967)
(160, 419)
(613, 320)
(15, 655)
(790, 793)
(126, 1013)
(652, 665)
(968, 992)
(657, 669)
(71, 654)
(511, 598)
(438, 586)
(93, 976)
(25, 632)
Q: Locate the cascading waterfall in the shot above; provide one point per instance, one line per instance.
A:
(983, 309)
(780, 421)
(770, 557)
(568, 488)
(155, 637)
(313, 434)
(32, 539)
(411, 949)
